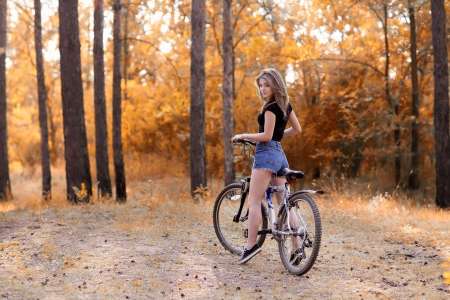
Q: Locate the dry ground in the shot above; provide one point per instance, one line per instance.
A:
(162, 245)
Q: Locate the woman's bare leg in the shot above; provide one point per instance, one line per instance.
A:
(279, 181)
(258, 184)
(293, 221)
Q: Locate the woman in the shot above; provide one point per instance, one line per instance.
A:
(274, 115)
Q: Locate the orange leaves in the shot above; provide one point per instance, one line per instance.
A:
(335, 54)
(447, 272)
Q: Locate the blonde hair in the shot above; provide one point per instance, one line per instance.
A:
(278, 86)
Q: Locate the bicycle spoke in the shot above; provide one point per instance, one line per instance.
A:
(298, 253)
(229, 233)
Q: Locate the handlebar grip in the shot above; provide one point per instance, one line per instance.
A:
(243, 142)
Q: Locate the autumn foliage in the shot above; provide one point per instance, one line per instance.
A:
(332, 54)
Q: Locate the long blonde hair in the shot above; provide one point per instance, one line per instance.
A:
(278, 86)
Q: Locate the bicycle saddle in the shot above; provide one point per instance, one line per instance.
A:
(291, 174)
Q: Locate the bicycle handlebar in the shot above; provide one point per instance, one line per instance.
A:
(244, 142)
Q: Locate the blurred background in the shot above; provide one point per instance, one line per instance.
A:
(347, 64)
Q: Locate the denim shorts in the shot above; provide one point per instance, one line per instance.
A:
(270, 156)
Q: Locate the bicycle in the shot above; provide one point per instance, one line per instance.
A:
(305, 231)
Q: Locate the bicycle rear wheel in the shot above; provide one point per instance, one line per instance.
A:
(298, 253)
(229, 233)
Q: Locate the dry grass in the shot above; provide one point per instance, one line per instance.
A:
(161, 244)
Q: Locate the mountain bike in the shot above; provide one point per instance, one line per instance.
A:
(297, 228)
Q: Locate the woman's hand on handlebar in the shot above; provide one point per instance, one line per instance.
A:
(237, 137)
(242, 138)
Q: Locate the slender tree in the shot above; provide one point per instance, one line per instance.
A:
(413, 181)
(5, 186)
(197, 140)
(227, 92)
(119, 167)
(125, 54)
(101, 132)
(441, 106)
(393, 107)
(78, 176)
(387, 88)
(42, 95)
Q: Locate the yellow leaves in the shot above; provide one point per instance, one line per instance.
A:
(81, 193)
(201, 193)
(136, 282)
(446, 274)
(156, 106)
(8, 205)
(447, 277)
(3, 246)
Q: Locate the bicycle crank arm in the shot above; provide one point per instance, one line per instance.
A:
(260, 232)
(284, 232)
(265, 231)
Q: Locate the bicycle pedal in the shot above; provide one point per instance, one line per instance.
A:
(308, 243)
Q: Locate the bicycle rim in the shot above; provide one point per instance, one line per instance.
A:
(229, 233)
(308, 225)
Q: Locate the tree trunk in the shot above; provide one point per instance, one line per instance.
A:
(5, 186)
(394, 107)
(52, 132)
(101, 132)
(441, 106)
(197, 140)
(386, 54)
(119, 167)
(398, 157)
(227, 93)
(42, 95)
(125, 54)
(413, 181)
(78, 176)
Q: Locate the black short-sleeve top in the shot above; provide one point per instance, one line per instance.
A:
(280, 122)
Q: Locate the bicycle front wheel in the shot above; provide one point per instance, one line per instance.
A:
(299, 251)
(231, 234)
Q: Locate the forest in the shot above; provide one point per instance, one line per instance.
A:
(359, 73)
(121, 106)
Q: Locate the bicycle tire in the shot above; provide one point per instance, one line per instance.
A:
(310, 222)
(229, 233)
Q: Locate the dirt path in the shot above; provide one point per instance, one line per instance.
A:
(147, 251)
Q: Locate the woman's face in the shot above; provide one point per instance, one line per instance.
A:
(265, 89)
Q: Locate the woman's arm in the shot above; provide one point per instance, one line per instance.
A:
(266, 136)
(295, 126)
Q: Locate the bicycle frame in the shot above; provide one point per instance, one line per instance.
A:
(284, 204)
(269, 199)
(296, 211)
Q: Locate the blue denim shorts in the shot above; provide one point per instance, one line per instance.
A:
(270, 156)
